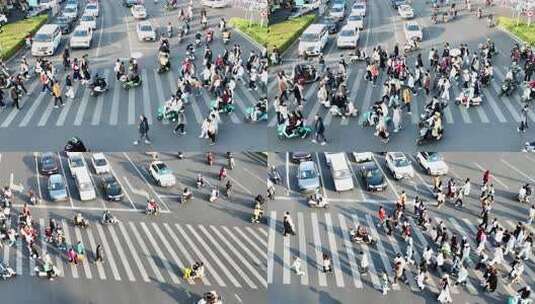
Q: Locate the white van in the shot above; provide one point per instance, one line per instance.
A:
(47, 40)
(85, 186)
(313, 40)
(343, 180)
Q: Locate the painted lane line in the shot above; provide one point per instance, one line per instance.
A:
(287, 173)
(516, 170)
(131, 107)
(167, 246)
(114, 113)
(125, 192)
(93, 244)
(97, 115)
(261, 252)
(302, 245)
(85, 261)
(161, 256)
(338, 275)
(286, 261)
(122, 254)
(65, 180)
(133, 251)
(318, 249)
(349, 251)
(107, 250)
(146, 253)
(147, 110)
(69, 244)
(81, 110)
(494, 177)
(271, 246)
(322, 181)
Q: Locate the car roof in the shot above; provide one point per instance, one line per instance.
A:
(348, 27)
(48, 154)
(55, 178)
(98, 155)
(338, 5)
(145, 22)
(411, 23)
(82, 27)
(307, 165)
(369, 165)
(315, 27)
(397, 155)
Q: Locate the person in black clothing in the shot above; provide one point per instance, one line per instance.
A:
(320, 131)
(66, 59)
(99, 254)
(143, 130)
(524, 293)
(2, 104)
(15, 97)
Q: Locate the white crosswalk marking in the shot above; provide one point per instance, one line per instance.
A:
(85, 262)
(185, 252)
(44, 246)
(6, 254)
(13, 113)
(261, 252)
(122, 255)
(243, 246)
(107, 253)
(318, 249)
(414, 111)
(482, 115)
(494, 105)
(66, 109)
(248, 265)
(131, 107)
(133, 252)
(349, 250)
(93, 244)
(365, 250)
(170, 249)
(423, 241)
(114, 113)
(160, 254)
(302, 245)
(18, 252)
(146, 253)
(271, 245)
(69, 244)
(82, 108)
(209, 250)
(97, 114)
(514, 99)
(147, 110)
(506, 100)
(46, 113)
(395, 246)
(286, 260)
(381, 250)
(464, 114)
(201, 256)
(35, 104)
(316, 107)
(255, 235)
(338, 275)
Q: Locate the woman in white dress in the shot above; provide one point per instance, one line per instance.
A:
(445, 295)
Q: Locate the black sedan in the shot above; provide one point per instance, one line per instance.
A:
(300, 156)
(66, 24)
(372, 177)
(49, 163)
(111, 187)
(333, 24)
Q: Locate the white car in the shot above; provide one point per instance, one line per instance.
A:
(145, 31)
(215, 3)
(163, 176)
(405, 11)
(356, 21)
(138, 11)
(100, 163)
(399, 165)
(89, 21)
(338, 11)
(432, 163)
(359, 8)
(81, 37)
(91, 9)
(413, 31)
(70, 11)
(76, 162)
(361, 157)
(348, 37)
(47, 4)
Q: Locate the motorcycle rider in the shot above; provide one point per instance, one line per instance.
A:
(152, 207)
(79, 220)
(99, 82)
(524, 193)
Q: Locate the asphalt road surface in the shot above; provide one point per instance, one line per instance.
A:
(326, 230)
(144, 255)
(489, 127)
(109, 122)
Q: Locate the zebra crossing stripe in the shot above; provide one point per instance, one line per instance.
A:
(302, 245)
(316, 107)
(108, 251)
(18, 253)
(99, 104)
(85, 262)
(465, 115)
(170, 249)
(271, 245)
(372, 272)
(349, 250)
(506, 102)
(122, 255)
(529, 272)
(514, 97)
(273, 121)
(262, 231)
(114, 113)
(159, 90)
(93, 244)
(81, 110)
(382, 251)
(24, 122)
(146, 252)
(423, 241)
(482, 115)
(44, 247)
(494, 105)
(223, 253)
(131, 107)
(161, 256)
(414, 111)
(185, 252)
(14, 111)
(286, 261)
(244, 248)
(248, 265)
(147, 110)
(133, 252)
(255, 235)
(68, 104)
(262, 253)
(317, 248)
(338, 275)
(6, 254)
(201, 256)
(46, 113)
(69, 244)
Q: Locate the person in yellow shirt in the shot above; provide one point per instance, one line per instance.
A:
(56, 91)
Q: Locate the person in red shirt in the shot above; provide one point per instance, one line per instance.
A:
(486, 177)
(382, 215)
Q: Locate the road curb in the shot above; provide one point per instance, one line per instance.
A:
(251, 40)
(513, 36)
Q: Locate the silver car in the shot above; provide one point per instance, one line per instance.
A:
(308, 177)
(57, 189)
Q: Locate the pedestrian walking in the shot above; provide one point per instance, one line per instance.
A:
(15, 97)
(180, 124)
(462, 276)
(320, 131)
(288, 224)
(327, 266)
(531, 215)
(445, 296)
(143, 130)
(56, 90)
(296, 265)
(385, 283)
(69, 90)
(364, 263)
(524, 122)
(99, 254)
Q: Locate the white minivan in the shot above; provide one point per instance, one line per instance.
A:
(85, 186)
(313, 40)
(47, 40)
(342, 177)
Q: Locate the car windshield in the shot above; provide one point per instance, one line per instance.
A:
(62, 20)
(347, 33)
(401, 162)
(42, 38)
(77, 162)
(372, 172)
(70, 9)
(99, 162)
(355, 17)
(342, 174)
(359, 6)
(112, 185)
(337, 9)
(85, 186)
(87, 18)
(91, 7)
(413, 27)
(48, 161)
(310, 37)
(146, 28)
(162, 168)
(433, 157)
(307, 174)
(56, 186)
